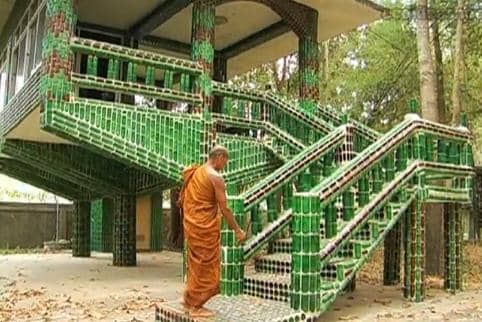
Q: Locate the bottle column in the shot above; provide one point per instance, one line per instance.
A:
(309, 73)
(305, 257)
(81, 229)
(125, 230)
(232, 252)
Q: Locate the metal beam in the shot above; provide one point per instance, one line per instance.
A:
(157, 17)
(269, 33)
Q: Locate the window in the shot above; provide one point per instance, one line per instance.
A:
(40, 35)
(3, 86)
(12, 74)
(24, 50)
(20, 75)
(32, 31)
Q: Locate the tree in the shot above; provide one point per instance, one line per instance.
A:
(428, 95)
(459, 63)
(438, 65)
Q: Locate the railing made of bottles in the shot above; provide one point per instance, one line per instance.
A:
(397, 193)
(329, 296)
(357, 231)
(164, 142)
(283, 177)
(134, 60)
(289, 142)
(428, 141)
(440, 194)
(381, 198)
(336, 118)
(249, 159)
(253, 105)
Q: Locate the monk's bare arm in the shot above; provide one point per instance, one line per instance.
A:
(220, 191)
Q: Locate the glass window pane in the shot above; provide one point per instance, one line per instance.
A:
(3, 87)
(40, 36)
(13, 74)
(32, 45)
(21, 65)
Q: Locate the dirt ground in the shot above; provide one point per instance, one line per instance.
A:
(57, 287)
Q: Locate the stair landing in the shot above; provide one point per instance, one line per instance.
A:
(242, 308)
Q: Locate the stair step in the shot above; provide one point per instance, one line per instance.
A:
(242, 308)
(280, 263)
(284, 245)
(268, 286)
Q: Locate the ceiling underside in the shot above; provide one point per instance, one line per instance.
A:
(5, 8)
(244, 18)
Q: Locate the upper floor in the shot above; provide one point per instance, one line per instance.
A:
(247, 33)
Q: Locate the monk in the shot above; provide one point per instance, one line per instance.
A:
(203, 193)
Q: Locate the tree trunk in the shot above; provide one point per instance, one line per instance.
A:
(438, 64)
(177, 228)
(428, 96)
(325, 62)
(459, 64)
(428, 101)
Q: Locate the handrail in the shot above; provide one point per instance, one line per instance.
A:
(142, 57)
(337, 119)
(258, 241)
(266, 97)
(443, 194)
(255, 124)
(293, 167)
(378, 201)
(331, 186)
(330, 295)
(114, 85)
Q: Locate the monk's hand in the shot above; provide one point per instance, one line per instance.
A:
(241, 235)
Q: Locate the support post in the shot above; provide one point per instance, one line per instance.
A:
(232, 252)
(309, 66)
(157, 222)
(453, 234)
(220, 74)
(305, 261)
(125, 230)
(203, 26)
(273, 204)
(101, 225)
(256, 220)
(392, 256)
(415, 250)
(57, 56)
(81, 229)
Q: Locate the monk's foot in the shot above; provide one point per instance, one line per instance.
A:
(201, 313)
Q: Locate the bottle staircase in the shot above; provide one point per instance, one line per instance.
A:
(332, 187)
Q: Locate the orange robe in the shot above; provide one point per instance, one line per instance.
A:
(202, 230)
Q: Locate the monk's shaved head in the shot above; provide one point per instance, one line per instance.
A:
(218, 151)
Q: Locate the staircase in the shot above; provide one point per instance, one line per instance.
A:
(387, 178)
(344, 186)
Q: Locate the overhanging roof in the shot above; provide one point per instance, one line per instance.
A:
(253, 33)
